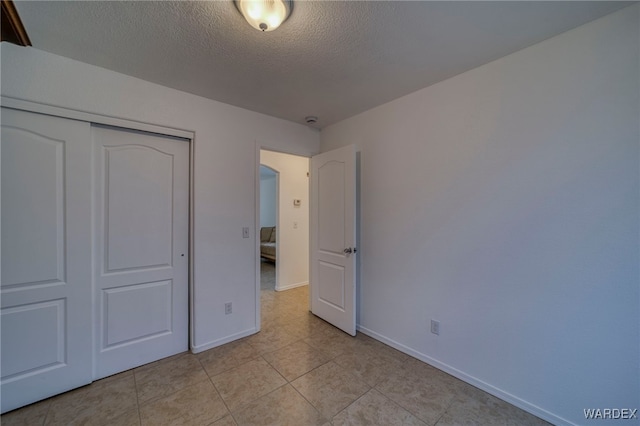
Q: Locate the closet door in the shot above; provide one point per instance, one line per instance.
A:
(45, 282)
(141, 247)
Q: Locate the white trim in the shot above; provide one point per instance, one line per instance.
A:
(290, 286)
(256, 234)
(278, 227)
(224, 340)
(15, 103)
(191, 254)
(498, 393)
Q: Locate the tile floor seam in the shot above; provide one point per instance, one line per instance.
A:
(44, 420)
(313, 369)
(347, 407)
(310, 403)
(279, 349)
(400, 406)
(135, 386)
(220, 395)
(246, 404)
(274, 367)
(162, 396)
(276, 370)
(233, 417)
(446, 410)
(217, 391)
(339, 367)
(253, 375)
(228, 412)
(409, 410)
(221, 371)
(439, 418)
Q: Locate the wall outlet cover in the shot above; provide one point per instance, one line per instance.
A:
(435, 327)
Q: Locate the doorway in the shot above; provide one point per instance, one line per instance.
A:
(284, 182)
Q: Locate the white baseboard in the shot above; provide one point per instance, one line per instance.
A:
(220, 342)
(290, 286)
(498, 393)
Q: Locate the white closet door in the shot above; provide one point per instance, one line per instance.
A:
(46, 257)
(141, 247)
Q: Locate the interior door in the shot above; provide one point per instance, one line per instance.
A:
(141, 247)
(46, 257)
(333, 236)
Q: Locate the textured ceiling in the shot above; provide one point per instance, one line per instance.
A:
(331, 59)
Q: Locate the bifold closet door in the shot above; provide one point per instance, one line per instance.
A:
(46, 257)
(141, 221)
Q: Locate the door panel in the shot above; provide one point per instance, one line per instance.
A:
(333, 226)
(141, 251)
(118, 330)
(44, 349)
(128, 207)
(331, 211)
(46, 257)
(23, 260)
(333, 288)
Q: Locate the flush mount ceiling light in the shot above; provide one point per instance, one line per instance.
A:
(265, 15)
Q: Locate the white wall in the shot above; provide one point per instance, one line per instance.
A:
(293, 222)
(504, 202)
(268, 197)
(224, 170)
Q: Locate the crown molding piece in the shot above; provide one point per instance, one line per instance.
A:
(12, 29)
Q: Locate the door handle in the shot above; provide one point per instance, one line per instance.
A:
(350, 250)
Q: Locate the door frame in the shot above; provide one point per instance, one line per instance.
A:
(20, 104)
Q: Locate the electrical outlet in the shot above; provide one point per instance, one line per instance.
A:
(245, 232)
(435, 327)
(228, 308)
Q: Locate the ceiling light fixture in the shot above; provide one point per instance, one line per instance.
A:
(265, 15)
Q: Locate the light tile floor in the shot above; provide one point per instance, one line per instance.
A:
(297, 371)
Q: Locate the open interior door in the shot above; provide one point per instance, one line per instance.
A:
(333, 236)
